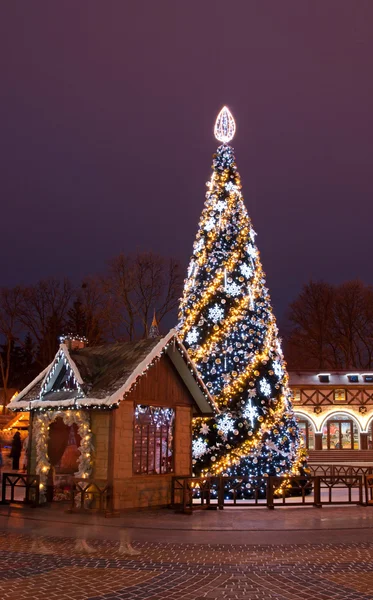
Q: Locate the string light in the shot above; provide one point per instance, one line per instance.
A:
(227, 324)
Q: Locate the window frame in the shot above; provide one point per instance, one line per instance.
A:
(309, 429)
(169, 457)
(340, 422)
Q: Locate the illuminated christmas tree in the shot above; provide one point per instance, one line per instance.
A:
(227, 324)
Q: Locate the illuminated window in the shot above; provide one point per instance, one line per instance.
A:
(340, 396)
(340, 433)
(307, 433)
(153, 440)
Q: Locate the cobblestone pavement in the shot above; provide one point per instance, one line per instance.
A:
(49, 568)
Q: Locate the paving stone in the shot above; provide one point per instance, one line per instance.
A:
(168, 571)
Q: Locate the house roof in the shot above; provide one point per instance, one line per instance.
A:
(105, 374)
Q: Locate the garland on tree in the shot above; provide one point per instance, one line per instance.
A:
(227, 324)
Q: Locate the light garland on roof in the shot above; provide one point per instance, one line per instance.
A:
(83, 402)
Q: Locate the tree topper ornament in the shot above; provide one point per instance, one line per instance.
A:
(225, 127)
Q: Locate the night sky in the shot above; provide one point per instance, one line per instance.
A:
(106, 117)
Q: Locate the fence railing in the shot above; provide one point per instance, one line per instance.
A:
(20, 487)
(331, 470)
(90, 494)
(192, 493)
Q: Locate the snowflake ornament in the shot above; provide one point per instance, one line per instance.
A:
(252, 393)
(226, 424)
(231, 187)
(192, 336)
(251, 250)
(216, 313)
(210, 224)
(233, 289)
(204, 429)
(277, 367)
(221, 205)
(278, 347)
(199, 245)
(252, 234)
(199, 448)
(246, 270)
(265, 387)
(250, 413)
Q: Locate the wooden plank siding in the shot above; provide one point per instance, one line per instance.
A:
(161, 385)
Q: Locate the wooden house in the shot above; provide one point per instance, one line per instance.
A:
(119, 413)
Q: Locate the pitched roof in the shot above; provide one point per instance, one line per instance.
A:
(104, 369)
(106, 373)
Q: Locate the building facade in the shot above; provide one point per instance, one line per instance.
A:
(335, 413)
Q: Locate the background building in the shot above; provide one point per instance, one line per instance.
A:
(335, 413)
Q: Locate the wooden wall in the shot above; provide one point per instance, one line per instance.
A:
(161, 386)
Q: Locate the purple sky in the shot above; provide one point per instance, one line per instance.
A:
(106, 117)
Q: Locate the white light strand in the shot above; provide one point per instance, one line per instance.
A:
(225, 127)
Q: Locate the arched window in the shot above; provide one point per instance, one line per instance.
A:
(340, 433)
(306, 430)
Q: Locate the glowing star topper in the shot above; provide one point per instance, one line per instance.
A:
(225, 127)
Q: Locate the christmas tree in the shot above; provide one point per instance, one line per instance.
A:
(227, 324)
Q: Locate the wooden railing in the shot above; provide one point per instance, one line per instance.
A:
(20, 487)
(90, 495)
(333, 470)
(193, 493)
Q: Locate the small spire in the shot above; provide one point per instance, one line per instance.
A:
(154, 331)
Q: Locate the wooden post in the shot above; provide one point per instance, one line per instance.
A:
(363, 441)
(3, 492)
(317, 492)
(318, 440)
(29, 446)
(270, 484)
(361, 502)
(220, 492)
(111, 450)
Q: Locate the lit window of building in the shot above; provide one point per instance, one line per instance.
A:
(340, 396)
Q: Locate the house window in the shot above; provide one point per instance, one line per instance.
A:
(153, 440)
(340, 396)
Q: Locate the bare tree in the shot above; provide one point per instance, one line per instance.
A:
(156, 285)
(310, 315)
(332, 327)
(352, 324)
(118, 286)
(133, 287)
(10, 311)
(44, 310)
(85, 314)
